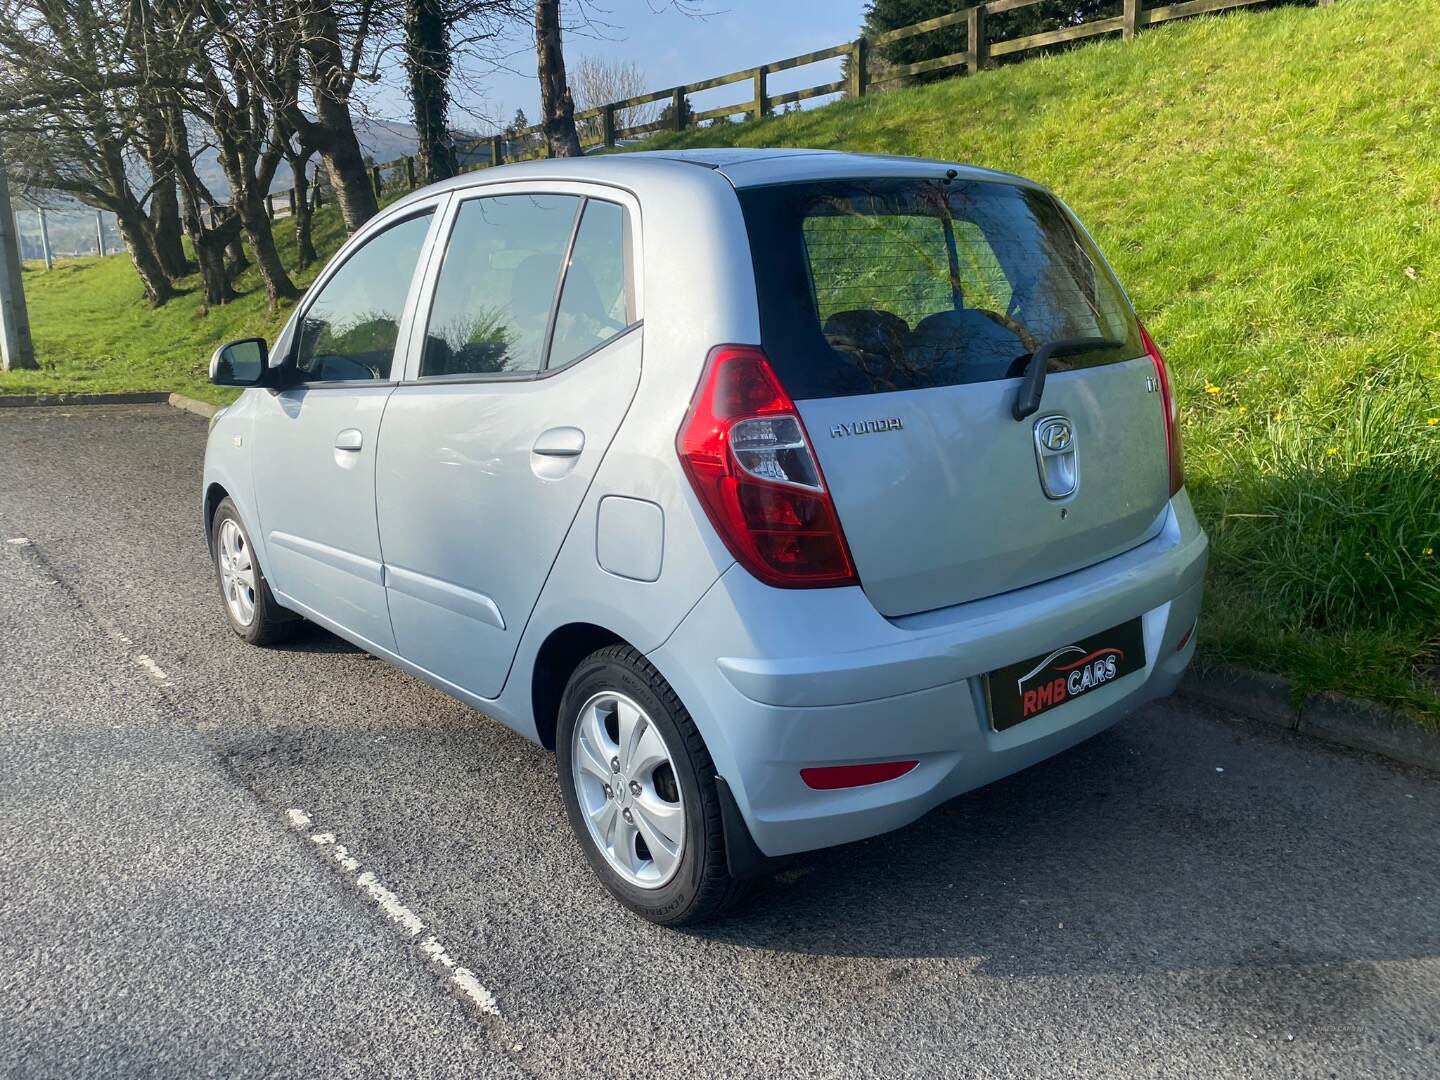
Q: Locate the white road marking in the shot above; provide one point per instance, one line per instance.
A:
(455, 974)
(19, 540)
(153, 669)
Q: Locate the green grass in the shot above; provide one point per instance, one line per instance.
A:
(1267, 184)
(95, 334)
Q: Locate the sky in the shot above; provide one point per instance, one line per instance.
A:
(669, 48)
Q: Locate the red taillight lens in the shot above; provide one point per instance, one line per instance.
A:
(830, 777)
(1172, 412)
(745, 450)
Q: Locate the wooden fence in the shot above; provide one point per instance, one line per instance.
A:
(600, 126)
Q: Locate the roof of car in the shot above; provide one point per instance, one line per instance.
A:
(742, 166)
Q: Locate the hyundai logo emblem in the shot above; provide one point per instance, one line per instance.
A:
(1054, 434)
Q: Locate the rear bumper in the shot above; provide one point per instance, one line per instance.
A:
(780, 680)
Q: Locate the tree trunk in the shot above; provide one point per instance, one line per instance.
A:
(210, 255)
(152, 275)
(556, 104)
(332, 132)
(236, 261)
(304, 217)
(349, 175)
(278, 285)
(427, 62)
(166, 230)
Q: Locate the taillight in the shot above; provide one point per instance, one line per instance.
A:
(744, 448)
(1172, 412)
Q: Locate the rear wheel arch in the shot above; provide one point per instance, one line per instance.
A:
(558, 657)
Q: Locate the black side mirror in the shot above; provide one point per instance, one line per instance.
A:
(240, 363)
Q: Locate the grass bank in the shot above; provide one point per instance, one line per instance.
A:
(95, 334)
(1268, 187)
(1267, 184)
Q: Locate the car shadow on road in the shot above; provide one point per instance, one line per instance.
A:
(1126, 857)
(310, 638)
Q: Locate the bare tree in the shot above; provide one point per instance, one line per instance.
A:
(333, 37)
(70, 112)
(557, 107)
(436, 34)
(237, 53)
(597, 81)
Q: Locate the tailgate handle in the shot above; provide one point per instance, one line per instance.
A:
(1032, 388)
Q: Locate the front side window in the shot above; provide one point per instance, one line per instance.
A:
(497, 285)
(595, 302)
(351, 329)
(869, 286)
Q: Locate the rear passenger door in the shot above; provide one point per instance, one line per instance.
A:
(522, 370)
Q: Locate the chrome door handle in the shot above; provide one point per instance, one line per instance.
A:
(349, 439)
(560, 442)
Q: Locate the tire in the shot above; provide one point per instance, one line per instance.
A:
(695, 883)
(243, 588)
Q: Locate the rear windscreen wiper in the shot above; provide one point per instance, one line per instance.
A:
(1032, 386)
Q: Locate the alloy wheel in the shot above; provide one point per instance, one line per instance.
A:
(626, 786)
(237, 572)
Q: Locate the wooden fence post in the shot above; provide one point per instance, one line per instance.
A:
(859, 67)
(677, 102)
(974, 40)
(607, 121)
(410, 171)
(497, 149)
(1132, 19)
(375, 180)
(761, 105)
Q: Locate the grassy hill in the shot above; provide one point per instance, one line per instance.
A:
(1268, 187)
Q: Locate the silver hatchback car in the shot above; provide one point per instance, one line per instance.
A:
(783, 494)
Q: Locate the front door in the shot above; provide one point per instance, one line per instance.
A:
(315, 439)
(529, 361)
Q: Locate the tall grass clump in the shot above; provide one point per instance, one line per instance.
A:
(1330, 524)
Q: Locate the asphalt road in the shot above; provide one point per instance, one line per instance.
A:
(1186, 895)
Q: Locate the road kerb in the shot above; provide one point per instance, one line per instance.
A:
(29, 401)
(1332, 718)
(192, 405)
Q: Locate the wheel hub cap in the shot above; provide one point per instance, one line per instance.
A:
(237, 572)
(624, 778)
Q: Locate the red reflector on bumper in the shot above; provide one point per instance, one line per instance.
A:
(1185, 638)
(829, 777)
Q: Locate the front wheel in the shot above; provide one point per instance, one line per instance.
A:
(249, 604)
(639, 789)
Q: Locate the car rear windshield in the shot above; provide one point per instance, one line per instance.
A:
(868, 286)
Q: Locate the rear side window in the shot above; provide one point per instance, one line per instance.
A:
(497, 285)
(594, 301)
(872, 286)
